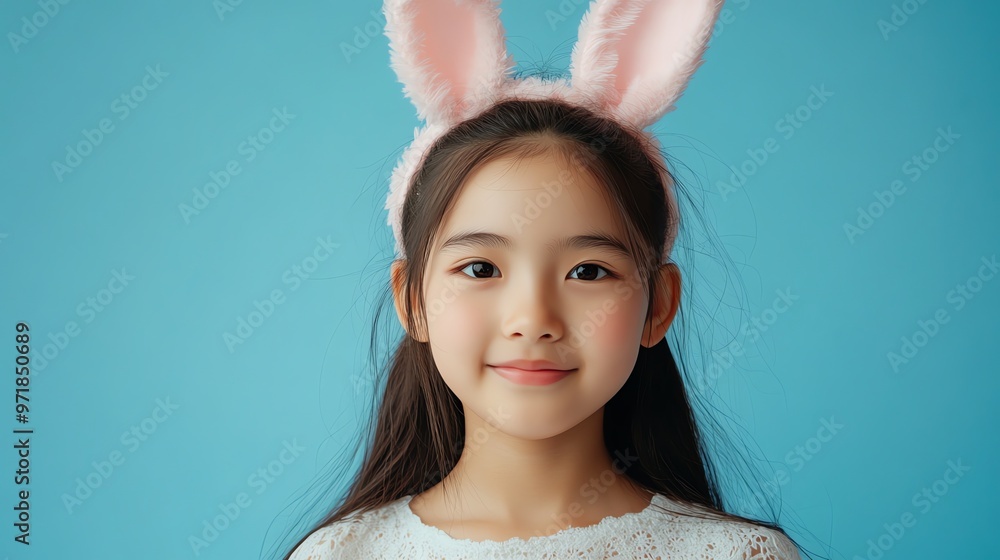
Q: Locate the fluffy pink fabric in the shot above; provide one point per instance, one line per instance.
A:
(631, 62)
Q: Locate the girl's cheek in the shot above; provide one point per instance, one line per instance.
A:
(613, 329)
(457, 319)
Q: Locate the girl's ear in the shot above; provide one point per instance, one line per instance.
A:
(633, 58)
(668, 299)
(398, 274)
(450, 55)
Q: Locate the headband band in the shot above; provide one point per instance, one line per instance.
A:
(630, 64)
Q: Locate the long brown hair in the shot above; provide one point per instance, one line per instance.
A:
(418, 431)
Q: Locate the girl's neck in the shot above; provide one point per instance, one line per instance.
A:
(537, 486)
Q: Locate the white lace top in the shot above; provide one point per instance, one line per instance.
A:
(394, 531)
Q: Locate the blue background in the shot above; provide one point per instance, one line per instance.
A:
(296, 381)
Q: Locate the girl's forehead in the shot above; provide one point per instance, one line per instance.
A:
(537, 184)
(529, 202)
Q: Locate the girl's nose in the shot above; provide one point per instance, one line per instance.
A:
(532, 314)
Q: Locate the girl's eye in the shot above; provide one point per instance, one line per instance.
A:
(480, 267)
(590, 271)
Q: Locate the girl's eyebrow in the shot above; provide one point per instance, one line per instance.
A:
(590, 240)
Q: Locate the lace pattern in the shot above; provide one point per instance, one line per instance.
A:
(394, 531)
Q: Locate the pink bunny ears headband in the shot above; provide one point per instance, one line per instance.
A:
(631, 62)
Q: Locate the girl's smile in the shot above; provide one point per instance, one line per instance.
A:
(531, 377)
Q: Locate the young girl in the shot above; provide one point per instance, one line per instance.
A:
(533, 408)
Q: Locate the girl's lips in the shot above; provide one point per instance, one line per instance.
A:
(531, 377)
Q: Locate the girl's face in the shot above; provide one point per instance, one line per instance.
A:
(531, 264)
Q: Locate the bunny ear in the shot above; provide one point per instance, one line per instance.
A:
(450, 55)
(633, 58)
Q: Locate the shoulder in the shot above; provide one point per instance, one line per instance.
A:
(347, 538)
(764, 543)
(332, 542)
(705, 532)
